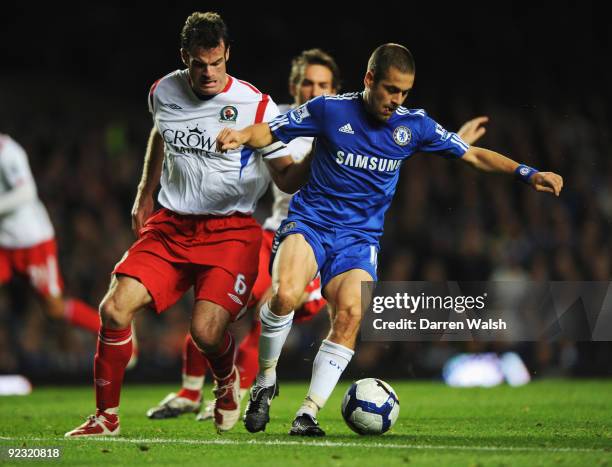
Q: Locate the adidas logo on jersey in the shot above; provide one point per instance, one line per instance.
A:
(346, 129)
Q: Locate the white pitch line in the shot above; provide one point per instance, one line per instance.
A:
(339, 444)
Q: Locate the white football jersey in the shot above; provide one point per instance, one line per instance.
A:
(28, 224)
(299, 149)
(196, 179)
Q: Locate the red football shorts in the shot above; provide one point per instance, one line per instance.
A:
(38, 263)
(217, 255)
(314, 302)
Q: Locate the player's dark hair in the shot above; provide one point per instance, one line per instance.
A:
(390, 55)
(206, 30)
(314, 57)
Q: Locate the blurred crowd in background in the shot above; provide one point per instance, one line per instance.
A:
(86, 139)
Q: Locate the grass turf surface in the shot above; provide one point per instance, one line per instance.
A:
(552, 422)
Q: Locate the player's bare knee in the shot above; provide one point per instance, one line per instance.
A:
(286, 298)
(207, 338)
(282, 303)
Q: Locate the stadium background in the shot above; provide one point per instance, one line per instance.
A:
(73, 87)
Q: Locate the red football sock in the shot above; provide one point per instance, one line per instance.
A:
(114, 352)
(222, 361)
(194, 369)
(247, 360)
(81, 314)
(193, 395)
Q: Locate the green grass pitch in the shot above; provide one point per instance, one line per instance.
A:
(550, 422)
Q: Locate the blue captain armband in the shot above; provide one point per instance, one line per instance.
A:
(524, 173)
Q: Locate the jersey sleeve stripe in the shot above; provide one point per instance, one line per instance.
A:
(246, 153)
(459, 142)
(261, 108)
(228, 84)
(152, 91)
(277, 123)
(250, 86)
(154, 85)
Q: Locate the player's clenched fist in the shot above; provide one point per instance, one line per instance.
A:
(230, 139)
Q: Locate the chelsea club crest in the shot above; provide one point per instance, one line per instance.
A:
(229, 113)
(402, 135)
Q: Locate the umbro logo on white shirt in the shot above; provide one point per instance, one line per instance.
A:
(346, 129)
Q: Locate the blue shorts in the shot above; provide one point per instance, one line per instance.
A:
(336, 250)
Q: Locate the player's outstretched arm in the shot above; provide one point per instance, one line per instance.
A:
(491, 161)
(472, 130)
(151, 173)
(256, 136)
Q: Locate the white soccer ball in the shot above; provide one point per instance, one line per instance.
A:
(370, 407)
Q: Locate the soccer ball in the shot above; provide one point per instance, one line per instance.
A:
(370, 407)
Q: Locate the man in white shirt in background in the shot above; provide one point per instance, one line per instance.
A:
(27, 240)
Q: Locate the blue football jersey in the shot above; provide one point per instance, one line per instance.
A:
(357, 159)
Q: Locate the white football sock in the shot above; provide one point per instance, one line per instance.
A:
(112, 410)
(193, 383)
(330, 362)
(274, 332)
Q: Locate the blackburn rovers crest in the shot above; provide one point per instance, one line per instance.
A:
(402, 135)
(228, 114)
